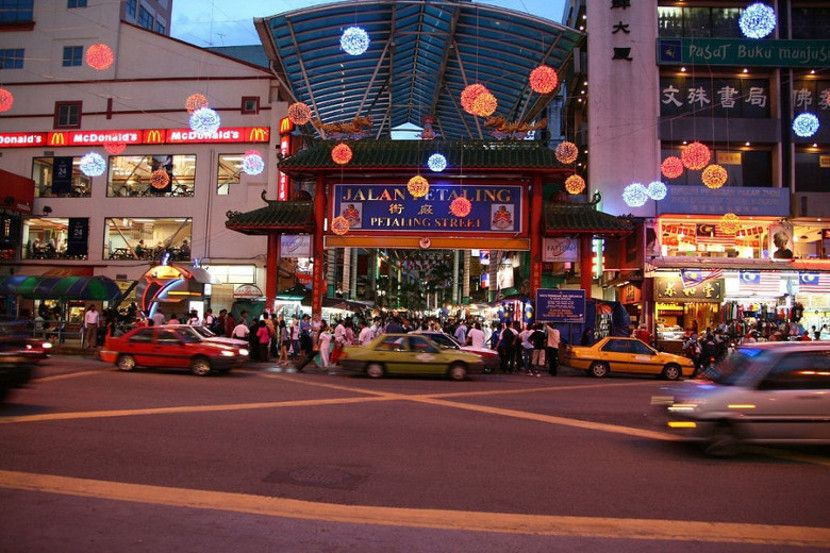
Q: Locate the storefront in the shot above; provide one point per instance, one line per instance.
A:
(173, 290)
(682, 309)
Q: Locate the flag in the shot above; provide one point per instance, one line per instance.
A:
(693, 277)
(760, 284)
(710, 233)
(815, 283)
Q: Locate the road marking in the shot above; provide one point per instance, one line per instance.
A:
(468, 521)
(66, 375)
(528, 390)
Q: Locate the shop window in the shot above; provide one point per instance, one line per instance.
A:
(745, 168)
(60, 177)
(9, 236)
(250, 105)
(698, 22)
(809, 23)
(669, 21)
(148, 238)
(73, 56)
(144, 176)
(68, 115)
(230, 167)
(812, 171)
(11, 58)
(55, 238)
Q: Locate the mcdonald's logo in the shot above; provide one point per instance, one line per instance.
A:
(258, 134)
(57, 139)
(286, 126)
(154, 136)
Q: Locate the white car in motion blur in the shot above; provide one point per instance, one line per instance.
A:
(774, 392)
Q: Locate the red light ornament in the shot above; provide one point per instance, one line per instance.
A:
(574, 184)
(99, 57)
(418, 186)
(543, 79)
(484, 105)
(115, 148)
(461, 207)
(299, 113)
(696, 156)
(340, 225)
(672, 167)
(714, 176)
(341, 154)
(469, 94)
(566, 152)
(159, 179)
(195, 102)
(6, 99)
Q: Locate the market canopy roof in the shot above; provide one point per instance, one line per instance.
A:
(563, 218)
(420, 57)
(294, 216)
(96, 288)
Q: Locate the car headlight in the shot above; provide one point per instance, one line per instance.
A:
(684, 407)
(227, 353)
(46, 345)
(243, 351)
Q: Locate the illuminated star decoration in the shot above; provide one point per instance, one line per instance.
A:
(252, 163)
(340, 225)
(205, 120)
(6, 99)
(714, 176)
(461, 207)
(159, 179)
(418, 186)
(99, 57)
(672, 167)
(729, 223)
(195, 101)
(115, 148)
(696, 156)
(93, 164)
(543, 79)
(299, 113)
(567, 152)
(574, 184)
(341, 154)
(635, 195)
(806, 124)
(437, 163)
(354, 41)
(656, 190)
(757, 21)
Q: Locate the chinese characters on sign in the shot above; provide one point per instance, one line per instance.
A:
(670, 289)
(621, 53)
(714, 97)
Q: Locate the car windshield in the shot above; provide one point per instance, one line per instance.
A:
(444, 341)
(189, 334)
(739, 368)
(202, 331)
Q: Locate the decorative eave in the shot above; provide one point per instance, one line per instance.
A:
(569, 218)
(293, 216)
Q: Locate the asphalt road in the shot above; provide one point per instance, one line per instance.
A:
(92, 460)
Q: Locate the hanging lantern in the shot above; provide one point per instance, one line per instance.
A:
(341, 154)
(340, 225)
(729, 223)
(672, 167)
(195, 102)
(437, 163)
(574, 184)
(99, 56)
(805, 125)
(354, 41)
(567, 152)
(205, 120)
(252, 163)
(714, 176)
(299, 113)
(469, 94)
(656, 190)
(484, 105)
(757, 21)
(635, 195)
(159, 179)
(461, 207)
(6, 99)
(93, 164)
(115, 148)
(543, 79)
(696, 156)
(418, 186)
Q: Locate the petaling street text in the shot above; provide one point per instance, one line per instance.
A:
(418, 222)
(368, 194)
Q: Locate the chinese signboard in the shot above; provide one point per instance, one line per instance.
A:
(670, 289)
(708, 97)
(131, 137)
(560, 306)
(743, 52)
(742, 200)
(371, 208)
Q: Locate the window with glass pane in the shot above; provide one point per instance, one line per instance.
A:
(73, 56)
(9, 236)
(812, 171)
(131, 7)
(67, 115)
(745, 168)
(16, 11)
(725, 22)
(145, 18)
(152, 175)
(230, 167)
(697, 22)
(159, 27)
(55, 238)
(669, 21)
(76, 4)
(148, 238)
(11, 58)
(810, 22)
(60, 177)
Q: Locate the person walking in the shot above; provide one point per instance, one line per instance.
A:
(554, 338)
(537, 356)
(366, 335)
(325, 338)
(475, 336)
(263, 339)
(506, 348)
(240, 331)
(91, 322)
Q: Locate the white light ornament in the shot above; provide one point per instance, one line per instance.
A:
(252, 163)
(93, 164)
(354, 41)
(635, 195)
(806, 124)
(757, 20)
(656, 190)
(437, 163)
(205, 120)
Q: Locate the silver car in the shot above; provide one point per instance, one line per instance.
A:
(774, 392)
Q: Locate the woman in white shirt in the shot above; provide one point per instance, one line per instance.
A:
(325, 343)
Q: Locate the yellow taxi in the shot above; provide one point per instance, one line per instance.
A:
(626, 355)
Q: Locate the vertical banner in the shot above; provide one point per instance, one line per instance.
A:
(61, 176)
(78, 237)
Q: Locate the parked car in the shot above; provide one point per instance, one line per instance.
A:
(410, 354)
(19, 354)
(626, 355)
(171, 348)
(18, 333)
(489, 357)
(774, 392)
(206, 334)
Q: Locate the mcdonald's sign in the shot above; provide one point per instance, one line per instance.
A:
(57, 139)
(286, 126)
(154, 136)
(258, 134)
(224, 135)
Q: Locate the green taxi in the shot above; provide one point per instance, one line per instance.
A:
(408, 354)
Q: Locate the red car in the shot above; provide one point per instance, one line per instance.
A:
(171, 348)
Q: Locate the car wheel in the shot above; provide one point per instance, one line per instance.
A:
(457, 372)
(200, 366)
(374, 370)
(672, 372)
(599, 369)
(125, 363)
(724, 441)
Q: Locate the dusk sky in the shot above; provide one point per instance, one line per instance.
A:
(230, 22)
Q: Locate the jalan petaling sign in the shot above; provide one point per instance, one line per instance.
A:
(742, 52)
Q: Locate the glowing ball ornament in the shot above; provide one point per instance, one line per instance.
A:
(99, 57)
(252, 163)
(656, 190)
(806, 124)
(543, 79)
(567, 152)
(484, 105)
(672, 167)
(340, 225)
(159, 179)
(469, 94)
(574, 184)
(341, 154)
(205, 120)
(93, 164)
(635, 195)
(299, 113)
(418, 186)
(461, 207)
(6, 99)
(437, 163)
(714, 176)
(354, 41)
(195, 102)
(729, 223)
(696, 156)
(115, 148)
(757, 21)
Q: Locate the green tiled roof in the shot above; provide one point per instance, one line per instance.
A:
(413, 154)
(286, 216)
(564, 218)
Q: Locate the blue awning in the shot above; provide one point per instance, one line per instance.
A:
(97, 288)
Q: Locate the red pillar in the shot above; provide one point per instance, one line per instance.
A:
(272, 264)
(318, 288)
(586, 271)
(536, 236)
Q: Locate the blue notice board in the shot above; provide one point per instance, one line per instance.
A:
(560, 306)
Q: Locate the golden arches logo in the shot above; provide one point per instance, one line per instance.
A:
(57, 139)
(154, 136)
(258, 134)
(286, 126)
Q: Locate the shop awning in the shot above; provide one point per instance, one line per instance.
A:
(96, 288)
